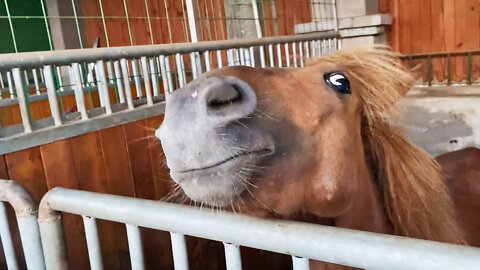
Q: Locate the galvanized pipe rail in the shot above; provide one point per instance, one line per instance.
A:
(137, 77)
(26, 213)
(360, 249)
(66, 57)
(447, 56)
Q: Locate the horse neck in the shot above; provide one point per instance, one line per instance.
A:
(367, 211)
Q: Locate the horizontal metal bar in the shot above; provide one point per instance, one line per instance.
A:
(440, 54)
(360, 249)
(74, 128)
(65, 57)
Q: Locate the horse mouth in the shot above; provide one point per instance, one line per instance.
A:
(235, 159)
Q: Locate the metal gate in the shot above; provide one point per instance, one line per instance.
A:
(302, 241)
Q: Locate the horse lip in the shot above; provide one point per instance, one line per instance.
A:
(260, 153)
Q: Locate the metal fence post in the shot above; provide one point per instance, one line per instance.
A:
(26, 213)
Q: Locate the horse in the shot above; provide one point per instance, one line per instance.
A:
(318, 144)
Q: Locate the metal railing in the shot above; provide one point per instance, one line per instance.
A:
(111, 86)
(446, 68)
(26, 214)
(302, 241)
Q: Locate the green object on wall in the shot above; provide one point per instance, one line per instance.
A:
(28, 23)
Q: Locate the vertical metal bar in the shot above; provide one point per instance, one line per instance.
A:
(31, 242)
(78, 88)
(22, 99)
(103, 22)
(6, 237)
(180, 69)
(449, 72)
(93, 243)
(35, 81)
(118, 78)
(148, 20)
(135, 247)
(191, 21)
(230, 58)
(146, 80)
(11, 26)
(136, 78)
(52, 96)
(242, 56)
(154, 76)
(1, 81)
(179, 250)
(300, 263)
(219, 59)
(111, 79)
(294, 49)
(287, 54)
(10, 85)
(169, 74)
(102, 86)
(274, 17)
(270, 55)
(59, 78)
(469, 68)
(53, 241)
(262, 57)
(168, 20)
(126, 83)
(237, 57)
(27, 83)
(233, 257)
(128, 22)
(163, 71)
(252, 57)
(307, 51)
(206, 56)
(77, 25)
(256, 17)
(193, 65)
(429, 70)
(279, 55)
(46, 25)
(410, 61)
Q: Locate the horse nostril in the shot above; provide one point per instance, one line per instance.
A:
(223, 95)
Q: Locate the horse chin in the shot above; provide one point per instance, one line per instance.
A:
(221, 184)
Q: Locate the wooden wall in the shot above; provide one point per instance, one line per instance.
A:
(425, 26)
(211, 12)
(123, 160)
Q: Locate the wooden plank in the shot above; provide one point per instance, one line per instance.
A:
(3, 168)
(6, 117)
(404, 27)
(117, 26)
(90, 170)
(139, 156)
(60, 171)
(449, 29)
(119, 181)
(438, 38)
(26, 168)
(161, 177)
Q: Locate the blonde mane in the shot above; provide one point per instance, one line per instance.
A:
(416, 200)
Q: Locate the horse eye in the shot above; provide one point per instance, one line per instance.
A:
(338, 82)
